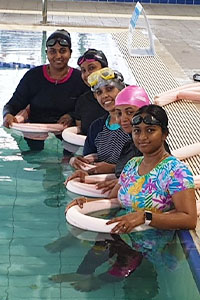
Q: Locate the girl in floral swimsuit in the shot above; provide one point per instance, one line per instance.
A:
(155, 189)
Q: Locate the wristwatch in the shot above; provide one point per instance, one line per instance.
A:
(147, 217)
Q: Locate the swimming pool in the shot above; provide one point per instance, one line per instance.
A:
(35, 241)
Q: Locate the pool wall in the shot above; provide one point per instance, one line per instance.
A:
(184, 2)
(192, 254)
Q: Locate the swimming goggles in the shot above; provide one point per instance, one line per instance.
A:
(105, 73)
(148, 120)
(93, 55)
(61, 42)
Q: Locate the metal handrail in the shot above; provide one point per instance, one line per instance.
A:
(44, 11)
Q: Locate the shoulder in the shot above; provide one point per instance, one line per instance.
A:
(75, 79)
(32, 75)
(127, 147)
(122, 133)
(130, 169)
(100, 121)
(174, 164)
(97, 126)
(177, 171)
(136, 160)
(35, 70)
(177, 175)
(75, 72)
(130, 149)
(87, 96)
(133, 162)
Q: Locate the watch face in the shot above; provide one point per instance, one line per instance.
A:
(148, 215)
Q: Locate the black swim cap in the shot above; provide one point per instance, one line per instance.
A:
(157, 112)
(60, 34)
(94, 54)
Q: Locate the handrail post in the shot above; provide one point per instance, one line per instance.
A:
(44, 11)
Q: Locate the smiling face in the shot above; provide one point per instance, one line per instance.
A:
(88, 67)
(124, 115)
(58, 56)
(148, 138)
(106, 97)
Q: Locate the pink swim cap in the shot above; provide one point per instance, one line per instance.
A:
(133, 95)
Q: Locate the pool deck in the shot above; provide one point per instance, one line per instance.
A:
(176, 27)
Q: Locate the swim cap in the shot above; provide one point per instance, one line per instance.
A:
(93, 54)
(133, 95)
(105, 77)
(60, 34)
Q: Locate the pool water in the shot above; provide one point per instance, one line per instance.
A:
(35, 241)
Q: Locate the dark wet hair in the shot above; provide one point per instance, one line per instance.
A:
(157, 112)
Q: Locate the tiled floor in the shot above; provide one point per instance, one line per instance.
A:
(176, 26)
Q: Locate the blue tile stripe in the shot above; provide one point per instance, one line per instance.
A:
(184, 2)
(192, 254)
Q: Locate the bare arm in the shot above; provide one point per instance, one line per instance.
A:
(81, 200)
(114, 192)
(77, 174)
(102, 168)
(65, 120)
(78, 124)
(78, 162)
(107, 185)
(183, 217)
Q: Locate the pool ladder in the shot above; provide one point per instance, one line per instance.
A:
(44, 11)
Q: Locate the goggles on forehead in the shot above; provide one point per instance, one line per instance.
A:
(61, 42)
(148, 119)
(105, 74)
(91, 56)
(84, 57)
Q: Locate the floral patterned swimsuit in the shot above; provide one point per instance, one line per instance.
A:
(154, 190)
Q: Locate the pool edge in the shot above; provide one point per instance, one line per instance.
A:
(192, 254)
